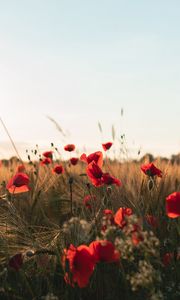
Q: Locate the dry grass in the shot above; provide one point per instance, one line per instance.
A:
(33, 220)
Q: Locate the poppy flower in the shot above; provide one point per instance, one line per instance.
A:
(108, 214)
(46, 161)
(109, 180)
(97, 157)
(120, 216)
(152, 221)
(87, 201)
(48, 154)
(107, 146)
(74, 160)
(16, 262)
(151, 170)
(69, 147)
(18, 184)
(58, 169)
(167, 258)
(95, 174)
(137, 238)
(173, 205)
(81, 264)
(104, 251)
(20, 168)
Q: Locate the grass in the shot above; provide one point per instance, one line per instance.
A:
(40, 224)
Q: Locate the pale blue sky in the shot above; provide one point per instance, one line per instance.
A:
(80, 62)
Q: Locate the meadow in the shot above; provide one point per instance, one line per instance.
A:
(89, 227)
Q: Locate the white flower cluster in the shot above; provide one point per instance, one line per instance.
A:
(76, 231)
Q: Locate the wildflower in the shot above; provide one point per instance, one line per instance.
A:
(48, 154)
(108, 179)
(97, 157)
(50, 296)
(74, 160)
(173, 205)
(120, 216)
(107, 146)
(108, 214)
(94, 173)
(136, 236)
(20, 168)
(151, 170)
(167, 258)
(87, 201)
(104, 251)
(152, 221)
(81, 265)
(69, 147)
(46, 161)
(16, 261)
(107, 220)
(58, 169)
(18, 184)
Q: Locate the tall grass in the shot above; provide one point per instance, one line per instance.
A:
(33, 224)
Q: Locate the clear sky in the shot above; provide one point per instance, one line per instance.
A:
(80, 62)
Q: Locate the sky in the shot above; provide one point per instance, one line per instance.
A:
(80, 62)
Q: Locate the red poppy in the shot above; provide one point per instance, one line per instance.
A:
(69, 147)
(81, 265)
(151, 170)
(136, 233)
(108, 212)
(20, 168)
(107, 146)
(95, 174)
(137, 238)
(173, 205)
(48, 154)
(108, 179)
(46, 161)
(74, 160)
(152, 221)
(87, 201)
(121, 215)
(16, 262)
(58, 169)
(104, 251)
(97, 157)
(18, 184)
(108, 218)
(167, 258)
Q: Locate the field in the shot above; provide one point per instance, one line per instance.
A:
(92, 228)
